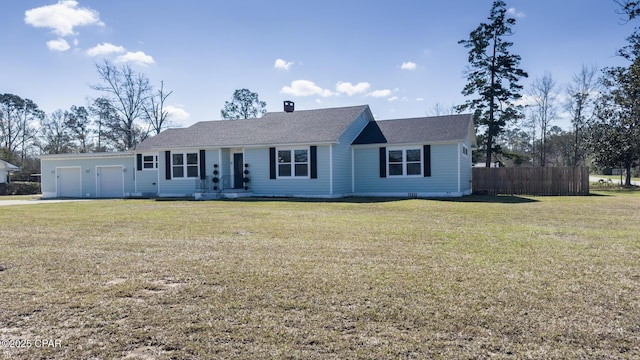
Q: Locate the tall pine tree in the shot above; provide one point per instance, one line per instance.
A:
(492, 76)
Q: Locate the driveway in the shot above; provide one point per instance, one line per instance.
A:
(35, 201)
(614, 181)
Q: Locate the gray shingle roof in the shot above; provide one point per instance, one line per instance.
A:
(298, 127)
(417, 130)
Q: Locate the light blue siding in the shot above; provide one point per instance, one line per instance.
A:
(183, 186)
(261, 185)
(173, 187)
(342, 169)
(48, 177)
(147, 182)
(225, 169)
(88, 166)
(465, 169)
(332, 160)
(211, 157)
(147, 179)
(442, 182)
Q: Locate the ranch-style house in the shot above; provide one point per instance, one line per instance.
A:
(323, 153)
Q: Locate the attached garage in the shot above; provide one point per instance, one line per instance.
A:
(110, 181)
(92, 175)
(69, 182)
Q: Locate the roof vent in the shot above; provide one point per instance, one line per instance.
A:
(288, 106)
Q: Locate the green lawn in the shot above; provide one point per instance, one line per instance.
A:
(501, 277)
(19, 197)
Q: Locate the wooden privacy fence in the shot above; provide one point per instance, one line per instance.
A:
(538, 181)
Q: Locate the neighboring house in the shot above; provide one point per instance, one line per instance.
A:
(326, 153)
(5, 169)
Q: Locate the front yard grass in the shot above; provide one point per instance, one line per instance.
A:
(501, 277)
(20, 197)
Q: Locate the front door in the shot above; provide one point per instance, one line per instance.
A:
(238, 162)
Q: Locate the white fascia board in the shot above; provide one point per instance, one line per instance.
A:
(103, 155)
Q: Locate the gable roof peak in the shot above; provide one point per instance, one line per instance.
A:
(445, 128)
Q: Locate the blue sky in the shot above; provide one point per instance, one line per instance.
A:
(401, 57)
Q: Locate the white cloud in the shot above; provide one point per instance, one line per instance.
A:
(513, 12)
(305, 88)
(419, 99)
(282, 64)
(526, 100)
(177, 113)
(409, 65)
(105, 49)
(393, 98)
(137, 57)
(58, 45)
(380, 93)
(62, 17)
(350, 89)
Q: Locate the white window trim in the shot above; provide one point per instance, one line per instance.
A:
(155, 162)
(404, 161)
(465, 150)
(184, 165)
(292, 150)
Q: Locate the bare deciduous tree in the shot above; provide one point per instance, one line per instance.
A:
(79, 125)
(439, 109)
(103, 114)
(155, 111)
(127, 91)
(581, 94)
(55, 136)
(544, 110)
(17, 119)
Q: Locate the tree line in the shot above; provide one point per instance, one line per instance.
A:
(129, 110)
(603, 105)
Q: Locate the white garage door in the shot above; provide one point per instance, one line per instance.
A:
(69, 182)
(110, 181)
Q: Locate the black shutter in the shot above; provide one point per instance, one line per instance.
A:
(167, 165)
(203, 167)
(139, 161)
(313, 158)
(272, 163)
(427, 160)
(383, 162)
